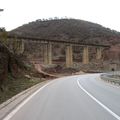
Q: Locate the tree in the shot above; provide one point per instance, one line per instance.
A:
(3, 36)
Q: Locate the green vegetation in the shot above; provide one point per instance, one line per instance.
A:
(15, 86)
(11, 64)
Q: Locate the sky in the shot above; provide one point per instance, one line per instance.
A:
(19, 12)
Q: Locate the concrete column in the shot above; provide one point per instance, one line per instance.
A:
(47, 53)
(22, 46)
(69, 56)
(85, 55)
(99, 53)
(17, 46)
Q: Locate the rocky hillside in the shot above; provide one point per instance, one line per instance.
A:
(73, 30)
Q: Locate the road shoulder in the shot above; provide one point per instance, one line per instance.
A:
(7, 106)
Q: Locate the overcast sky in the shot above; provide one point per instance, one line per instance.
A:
(18, 12)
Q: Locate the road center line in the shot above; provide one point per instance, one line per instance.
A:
(101, 104)
(11, 114)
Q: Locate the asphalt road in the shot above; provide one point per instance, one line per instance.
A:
(84, 97)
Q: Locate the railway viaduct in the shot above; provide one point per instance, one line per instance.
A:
(47, 46)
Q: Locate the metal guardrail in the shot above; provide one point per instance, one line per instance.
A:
(111, 77)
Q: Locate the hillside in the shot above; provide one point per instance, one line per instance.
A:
(68, 29)
(72, 30)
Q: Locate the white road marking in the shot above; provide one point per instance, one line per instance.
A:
(101, 104)
(10, 115)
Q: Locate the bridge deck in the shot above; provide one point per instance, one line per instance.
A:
(56, 41)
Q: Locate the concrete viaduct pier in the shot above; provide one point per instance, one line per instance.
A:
(47, 49)
(85, 55)
(99, 53)
(69, 54)
(47, 54)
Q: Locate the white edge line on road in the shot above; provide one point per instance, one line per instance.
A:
(11, 114)
(102, 105)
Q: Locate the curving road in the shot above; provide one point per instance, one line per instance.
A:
(83, 97)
